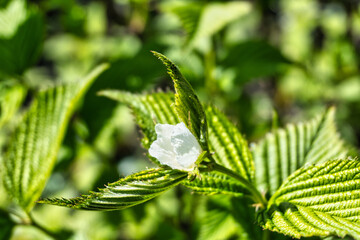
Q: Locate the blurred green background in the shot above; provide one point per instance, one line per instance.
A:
(264, 63)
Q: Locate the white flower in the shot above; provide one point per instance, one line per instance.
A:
(175, 146)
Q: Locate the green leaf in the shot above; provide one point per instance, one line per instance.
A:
(229, 148)
(20, 44)
(127, 192)
(215, 183)
(216, 16)
(204, 20)
(11, 98)
(188, 13)
(187, 104)
(317, 200)
(11, 17)
(32, 151)
(286, 150)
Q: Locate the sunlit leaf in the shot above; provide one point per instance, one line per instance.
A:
(32, 151)
(216, 16)
(286, 150)
(187, 104)
(203, 20)
(11, 17)
(127, 192)
(317, 200)
(226, 143)
(10, 101)
(229, 147)
(214, 183)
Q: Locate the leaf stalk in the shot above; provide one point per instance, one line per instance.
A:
(257, 197)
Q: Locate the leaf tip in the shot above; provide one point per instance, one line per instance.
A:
(158, 55)
(167, 62)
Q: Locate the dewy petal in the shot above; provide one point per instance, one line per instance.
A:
(175, 146)
(186, 147)
(161, 148)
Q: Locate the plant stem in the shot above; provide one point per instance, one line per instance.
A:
(257, 197)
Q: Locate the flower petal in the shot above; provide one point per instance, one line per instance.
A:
(161, 148)
(175, 146)
(186, 147)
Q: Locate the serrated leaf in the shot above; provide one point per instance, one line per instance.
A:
(187, 104)
(11, 98)
(318, 200)
(31, 153)
(228, 146)
(127, 192)
(286, 150)
(215, 183)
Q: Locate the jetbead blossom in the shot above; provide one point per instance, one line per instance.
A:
(175, 146)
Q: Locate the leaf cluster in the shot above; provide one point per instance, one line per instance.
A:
(246, 58)
(291, 176)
